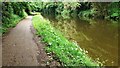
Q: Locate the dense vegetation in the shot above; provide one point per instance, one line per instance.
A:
(87, 10)
(69, 53)
(104, 10)
(12, 13)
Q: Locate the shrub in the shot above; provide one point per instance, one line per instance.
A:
(12, 13)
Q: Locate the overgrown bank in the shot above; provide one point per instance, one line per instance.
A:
(69, 53)
(103, 10)
(12, 13)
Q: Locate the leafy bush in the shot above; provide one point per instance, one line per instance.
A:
(12, 22)
(12, 13)
(65, 14)
(87, 14)
(103, 10)
(69, 53)
(114, 11)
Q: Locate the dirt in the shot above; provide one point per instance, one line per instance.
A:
(22, 47)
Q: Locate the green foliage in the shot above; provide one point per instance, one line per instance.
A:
(12, 22)
(12, 13)
(108, 10)
(69, 53)
(114, 11)
(104, 10)
(87, 14)
(60, 7)
(65, 14)
(35, 6)
(71, 5)
(114, 14)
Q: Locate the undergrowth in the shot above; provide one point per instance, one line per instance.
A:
(69, 53)
(11, 22)
(12, 13)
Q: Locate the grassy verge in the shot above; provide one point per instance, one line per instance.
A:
(69, 53)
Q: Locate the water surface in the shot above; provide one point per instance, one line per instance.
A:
(98, 37)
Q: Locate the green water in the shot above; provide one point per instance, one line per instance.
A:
(98, 37)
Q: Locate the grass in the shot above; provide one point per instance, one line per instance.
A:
(69, 53)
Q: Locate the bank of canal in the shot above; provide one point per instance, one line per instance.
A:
(98, 37)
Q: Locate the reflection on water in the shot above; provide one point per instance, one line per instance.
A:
(98, 37)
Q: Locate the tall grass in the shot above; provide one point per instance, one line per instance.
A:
(69, 53)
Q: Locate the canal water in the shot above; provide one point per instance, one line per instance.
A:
(97, 36)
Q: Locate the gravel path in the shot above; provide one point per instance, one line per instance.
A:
(18, 46)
